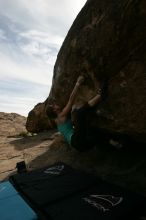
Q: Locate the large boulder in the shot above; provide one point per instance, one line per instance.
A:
(37, 119)
(107, 41)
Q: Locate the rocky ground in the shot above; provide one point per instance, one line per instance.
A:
(125, 167)
(16, 144)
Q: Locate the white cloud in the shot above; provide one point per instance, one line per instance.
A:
(26, 68)
(31, 33)
(46, 15)
(2, 35)
(42, 37)
(41, 45)
(21, 96)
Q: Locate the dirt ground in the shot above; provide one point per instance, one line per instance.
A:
(16, 149)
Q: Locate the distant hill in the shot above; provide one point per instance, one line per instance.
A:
(11, 124)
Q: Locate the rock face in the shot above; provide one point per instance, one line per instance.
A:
(106, 41)
(38, 120)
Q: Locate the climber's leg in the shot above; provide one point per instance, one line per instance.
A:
(79, 139)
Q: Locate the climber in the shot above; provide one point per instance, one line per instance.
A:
(75, 134)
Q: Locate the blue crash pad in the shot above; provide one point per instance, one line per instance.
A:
(12, 205)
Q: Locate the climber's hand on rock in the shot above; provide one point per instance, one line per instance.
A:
(99, 91)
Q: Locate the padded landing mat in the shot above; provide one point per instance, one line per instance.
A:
(52, 183)
(63, 193)
(12, 206)
(101, 202)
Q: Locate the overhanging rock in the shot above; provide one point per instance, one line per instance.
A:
(106, 41)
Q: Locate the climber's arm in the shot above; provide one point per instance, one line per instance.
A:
(72, 97)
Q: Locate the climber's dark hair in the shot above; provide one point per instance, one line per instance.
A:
(50, 112)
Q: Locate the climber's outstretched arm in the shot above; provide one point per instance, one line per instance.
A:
(72, 97)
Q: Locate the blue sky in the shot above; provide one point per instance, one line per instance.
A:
(31, 34)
